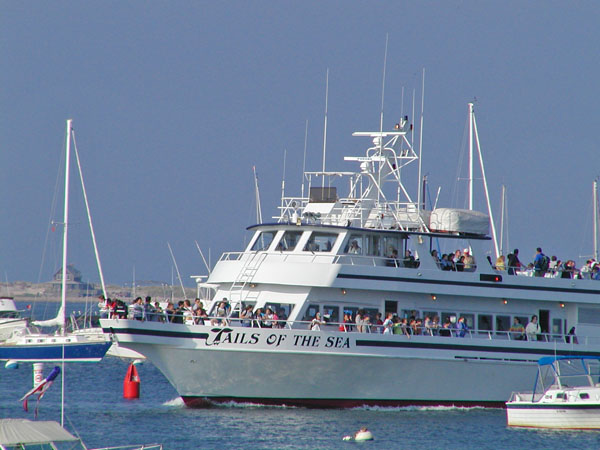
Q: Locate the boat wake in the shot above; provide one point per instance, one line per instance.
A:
(177, 402)
(419, 408)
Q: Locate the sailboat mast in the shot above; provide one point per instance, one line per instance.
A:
(63, 299)
(471, 156)
(595, 196)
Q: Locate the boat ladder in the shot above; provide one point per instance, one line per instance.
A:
(238, 292)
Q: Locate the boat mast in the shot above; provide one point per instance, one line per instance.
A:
(595, 196)
(325, 126)
(63, 300)
(502, 211)
(420, 146)
(257, 195)
(471, 118)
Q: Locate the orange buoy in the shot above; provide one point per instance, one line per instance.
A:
(131, 384)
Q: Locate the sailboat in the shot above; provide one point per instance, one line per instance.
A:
(28, 343)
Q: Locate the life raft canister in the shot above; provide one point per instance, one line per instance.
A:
(131, 384)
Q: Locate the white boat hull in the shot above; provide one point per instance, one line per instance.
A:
(554, 416)
(329, 368)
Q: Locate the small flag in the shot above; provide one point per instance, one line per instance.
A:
(40, 389)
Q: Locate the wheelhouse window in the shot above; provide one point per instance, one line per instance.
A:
(263, 241)
(373, 245)
(320, 242)
(288, 241)
(354, 246)
(391, 244)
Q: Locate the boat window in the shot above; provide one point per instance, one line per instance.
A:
(448, 317)
(283, 310)
(311, 311)
(561, 395)
(584, 395)
(371, 312)
(373, 245)
(430, 314)
(354, 245)
(263, 241)
(289, 240)
(469, 320)
(389, 244)
(502, 323)
(484, 322)
(331, 313)
(320, 242)
(391, 306)
(588, 315)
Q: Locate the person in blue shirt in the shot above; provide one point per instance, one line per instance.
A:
(461, 327)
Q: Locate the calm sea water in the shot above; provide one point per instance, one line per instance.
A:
(95, 408)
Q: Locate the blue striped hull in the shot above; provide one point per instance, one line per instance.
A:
(76, 352)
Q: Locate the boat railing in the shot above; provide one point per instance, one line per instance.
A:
(397, 329)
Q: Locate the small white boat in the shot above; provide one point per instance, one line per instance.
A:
(41, 435)
(566, 394)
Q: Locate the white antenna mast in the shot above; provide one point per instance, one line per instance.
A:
(257, 195)
(595, 197)
(381, 115)
(471, 118)
(502, 211)
(283, 177)
(421, 145)
(325, 126)
(304, 159)
(177, 269)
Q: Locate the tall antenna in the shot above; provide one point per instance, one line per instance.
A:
(304, 158)
(595, 197)
(383, 85)
(325, 126)
(257, 195)
(283, 177)
(381, 115)
(471, 118)
(421, 144)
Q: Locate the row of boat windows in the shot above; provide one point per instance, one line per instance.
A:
(485, 322)
(317, 241)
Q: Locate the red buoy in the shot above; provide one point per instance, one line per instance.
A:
(131, 384)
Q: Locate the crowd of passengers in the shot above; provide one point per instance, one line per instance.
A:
(549, 267)
(541, 266)
(188, 313)
(361, 321)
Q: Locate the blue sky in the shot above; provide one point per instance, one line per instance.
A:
(174, 102)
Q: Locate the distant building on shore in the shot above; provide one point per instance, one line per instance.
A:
(75, 285)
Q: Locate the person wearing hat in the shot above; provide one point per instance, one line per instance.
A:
(469, 262)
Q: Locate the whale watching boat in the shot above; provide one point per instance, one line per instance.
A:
(566, 394)
(329, 264)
